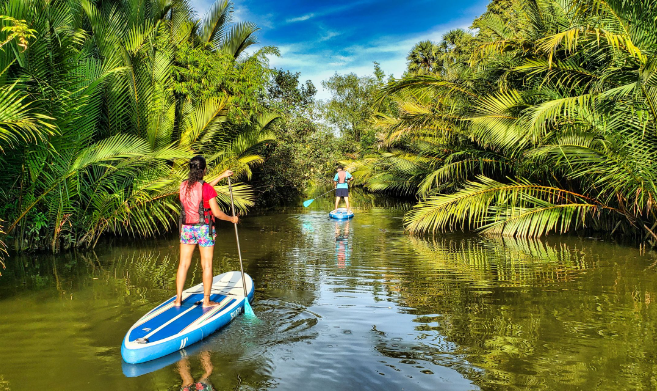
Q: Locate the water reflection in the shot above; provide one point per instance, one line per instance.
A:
(188, 382)
(535, 313)
(354, 304)
(342, 249)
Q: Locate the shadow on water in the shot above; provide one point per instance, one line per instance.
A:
(345, 305)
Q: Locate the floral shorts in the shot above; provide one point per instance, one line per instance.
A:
(201, 385)
(193, 234)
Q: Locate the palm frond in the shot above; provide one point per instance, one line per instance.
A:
(529, 209)
(239, 38)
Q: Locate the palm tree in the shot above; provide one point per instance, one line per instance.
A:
(567, 137)
(109, 135)
(424, 57)
(17, 121)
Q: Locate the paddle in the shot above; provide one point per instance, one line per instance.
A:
(308, 202)
(248, 311)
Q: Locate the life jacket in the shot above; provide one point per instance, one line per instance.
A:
(342, 176)
(192, 210)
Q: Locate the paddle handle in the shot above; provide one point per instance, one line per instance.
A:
(237, 238)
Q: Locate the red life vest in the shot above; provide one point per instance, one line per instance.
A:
(192, 210)
(342, 175)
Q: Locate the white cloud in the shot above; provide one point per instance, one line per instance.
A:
(329, 11)
(389, 51)
(317, 60)
(300, 18)
(240, 14)
(201, 6)
(328, 35)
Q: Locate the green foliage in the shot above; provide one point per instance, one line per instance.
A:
(305, 152)
(351, 108)
(286, 93)
(18, 30)
(104, 104)
(543, 121)
(201, 75)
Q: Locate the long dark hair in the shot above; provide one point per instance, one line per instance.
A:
(196, 171)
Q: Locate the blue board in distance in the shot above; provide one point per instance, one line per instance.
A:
(167, 328)
(341, 214)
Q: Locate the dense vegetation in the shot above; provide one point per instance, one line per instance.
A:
(103, 102)
(541, 119)
(305, 150)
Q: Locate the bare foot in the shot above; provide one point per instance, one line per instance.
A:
(210, 304)
(177, 303)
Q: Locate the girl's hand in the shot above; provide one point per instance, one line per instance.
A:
(234, 219)
(226, 174)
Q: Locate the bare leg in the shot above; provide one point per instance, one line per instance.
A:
(346, 200)
(186, 252)
(337, 201)
(206, 265)
(185, 374)
(207, 364)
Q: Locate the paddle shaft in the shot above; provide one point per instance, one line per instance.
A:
(322, 194)
(237, 238)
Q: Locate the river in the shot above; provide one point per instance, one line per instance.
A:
(353, 305)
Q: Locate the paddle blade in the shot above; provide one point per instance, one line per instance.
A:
(248, 311)
(307, 203)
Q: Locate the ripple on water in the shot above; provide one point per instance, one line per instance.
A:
(348, 305)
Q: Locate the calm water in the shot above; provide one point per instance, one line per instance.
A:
(346, 306)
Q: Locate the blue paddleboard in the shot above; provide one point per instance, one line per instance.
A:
(136, 370)
(167, 328)
(341, 214)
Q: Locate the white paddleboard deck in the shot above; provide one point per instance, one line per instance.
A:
(168, 328)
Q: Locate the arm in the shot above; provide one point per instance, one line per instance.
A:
(218, 213)
(223, 175)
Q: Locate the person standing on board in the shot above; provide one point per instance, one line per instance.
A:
(198, 210)
(341, 185)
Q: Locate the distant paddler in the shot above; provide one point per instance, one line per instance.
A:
(199, 208)
(341, 186)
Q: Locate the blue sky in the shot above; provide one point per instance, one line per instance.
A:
(320, 38)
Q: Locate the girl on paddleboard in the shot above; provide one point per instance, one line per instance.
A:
(198, 211)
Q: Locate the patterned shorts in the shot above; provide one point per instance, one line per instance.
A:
(197, 234)
(201, 385)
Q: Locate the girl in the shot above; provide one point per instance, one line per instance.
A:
(199, 208)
